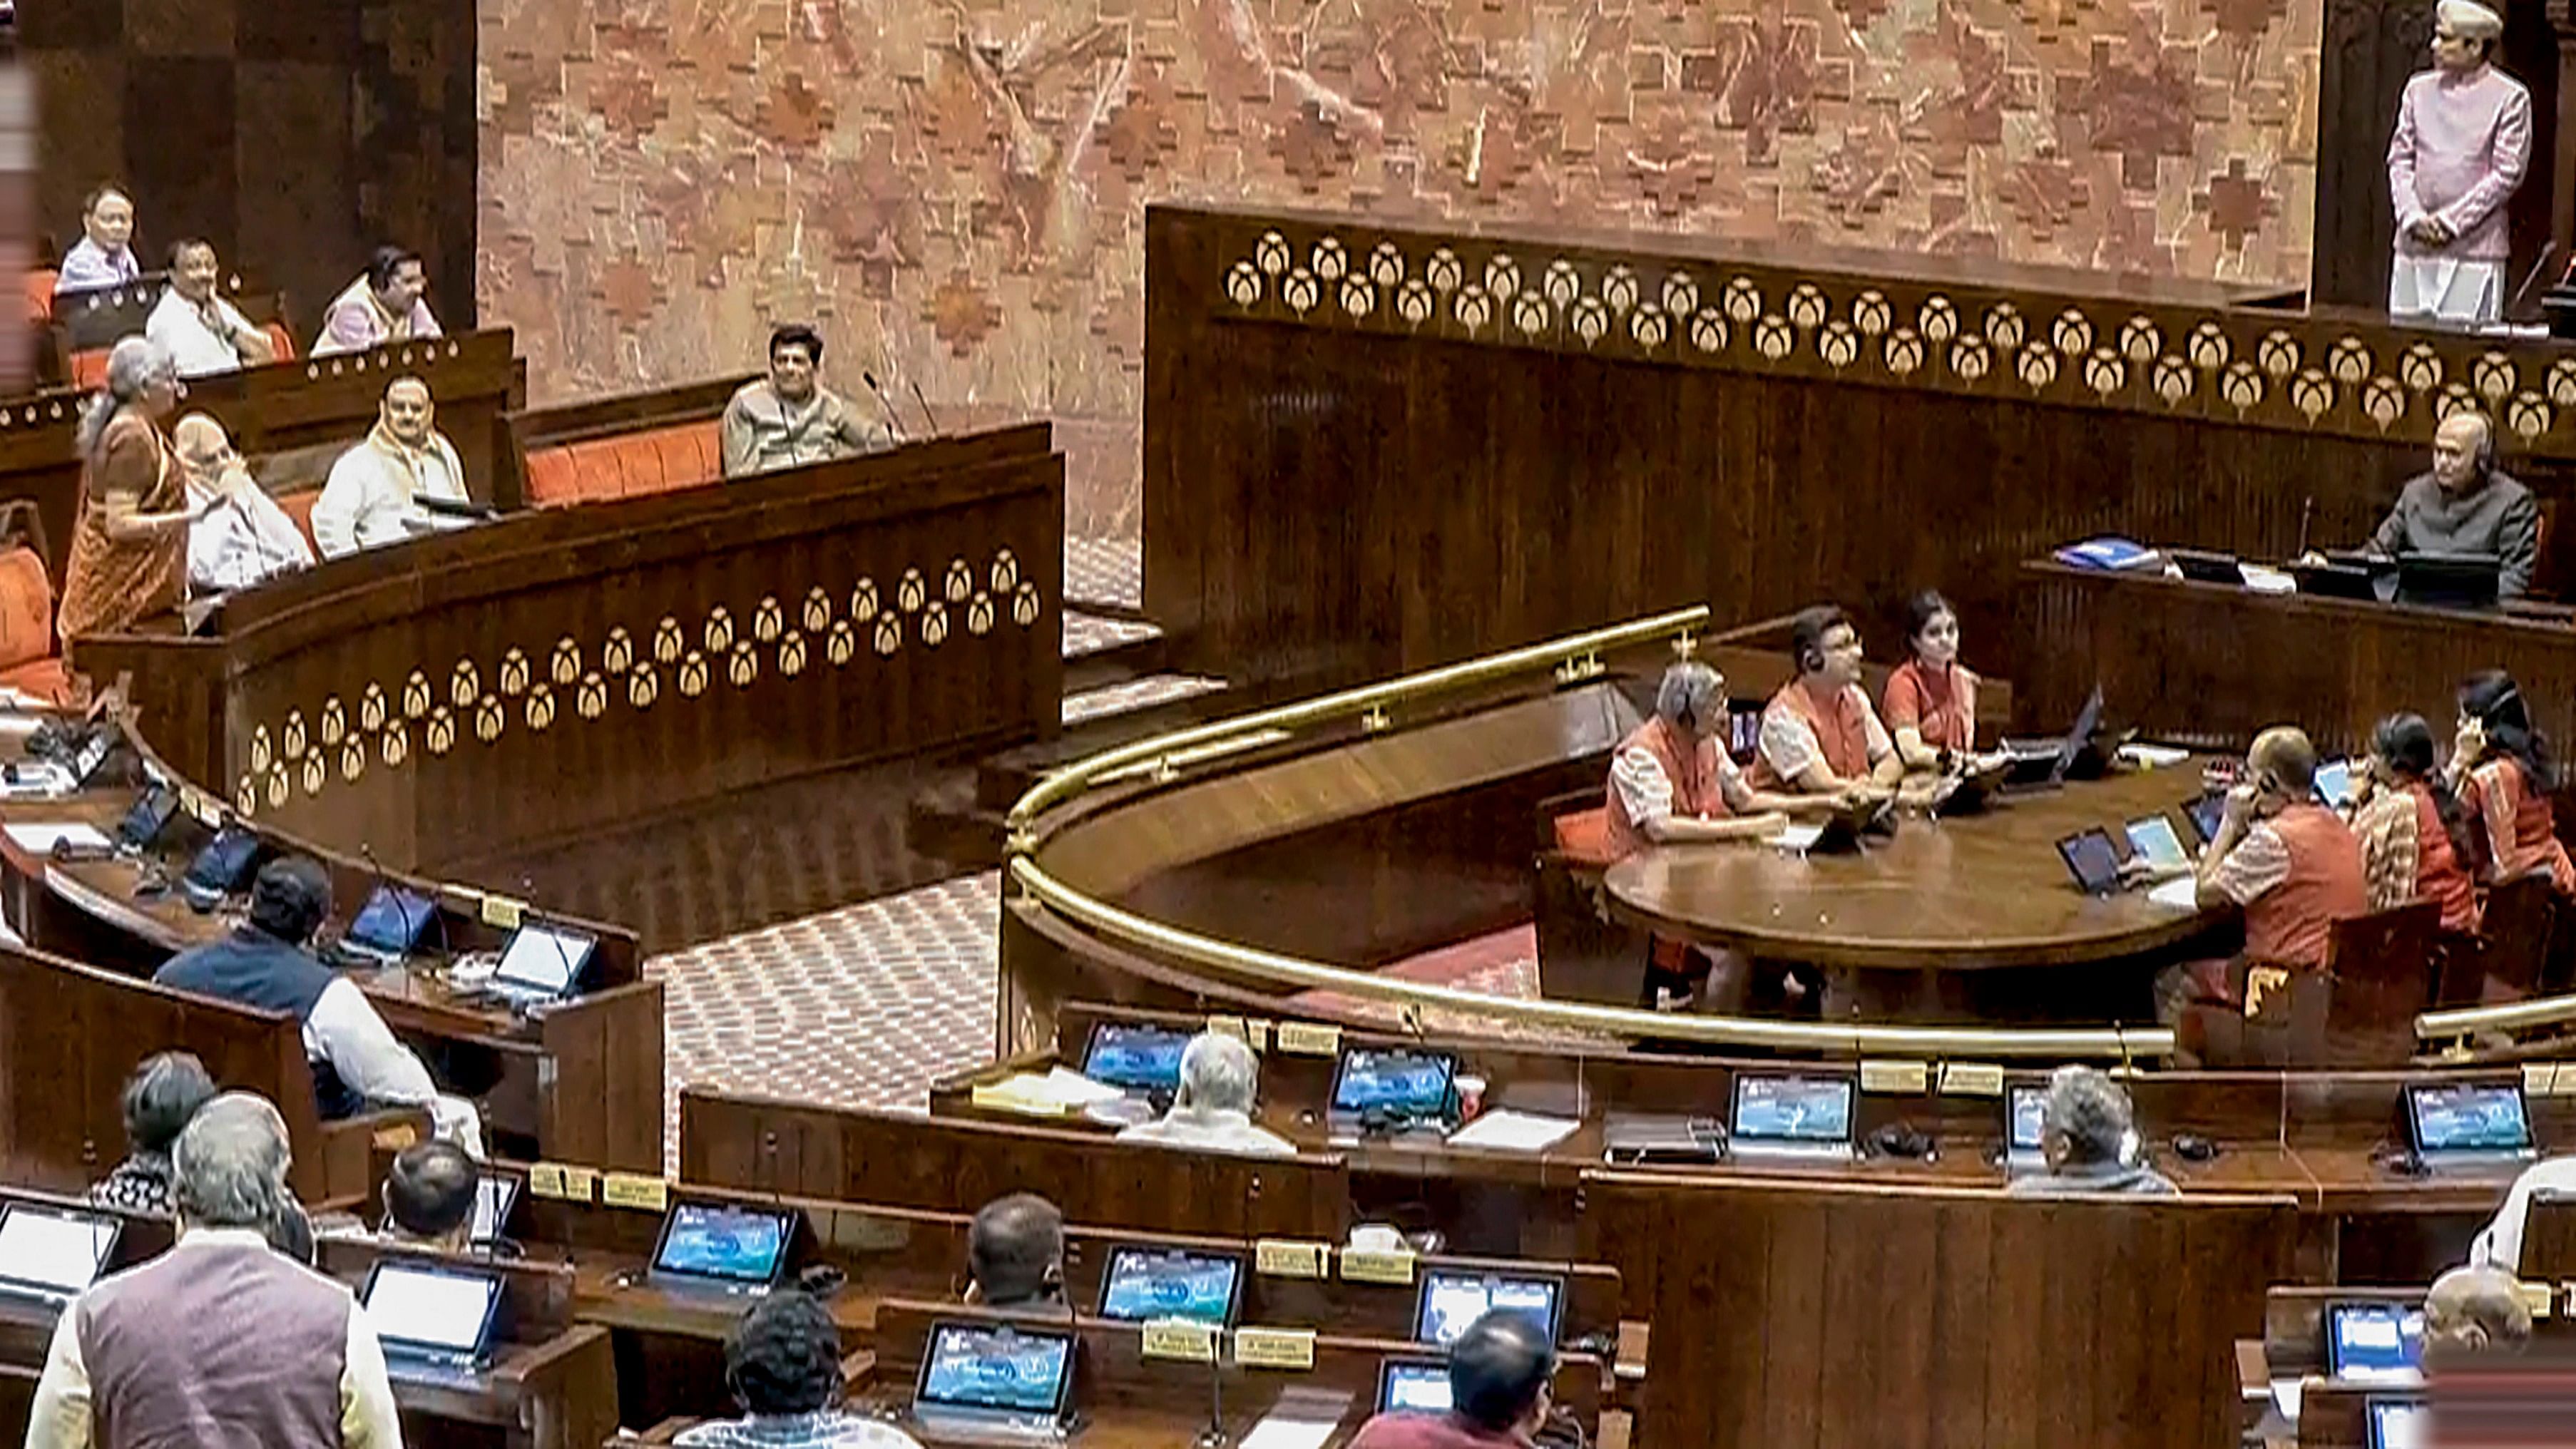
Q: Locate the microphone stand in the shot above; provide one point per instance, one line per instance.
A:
(1214, 1435)
(926, 413)
(893, 423)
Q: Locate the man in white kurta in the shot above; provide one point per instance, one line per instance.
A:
(246, 540)
(2462, 142)
(204, 332)
(373, 496)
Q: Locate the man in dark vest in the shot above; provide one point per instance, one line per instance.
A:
(221, 1340)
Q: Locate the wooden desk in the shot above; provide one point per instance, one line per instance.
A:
(2210, 665)
(27, 1329)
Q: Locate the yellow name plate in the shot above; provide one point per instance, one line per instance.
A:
(581, 1184)
(1275, 1348)
(1908, 1079)
(1310, 1039)
(2539, 1298)
(635, 1190)
(1971, 1079)
(1253, 1032)
(2545, 1079)
(1181, 1339)
(1359, 1265)
(502, 912)
(1290, 1257)
(546, 1179)
(201, 807)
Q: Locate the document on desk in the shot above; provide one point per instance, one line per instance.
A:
(1799, 838)
(2182, 893)
(1504, 1130)
(1303, 1418)
(2152, 757)
(41, 839)
(1054, 1095)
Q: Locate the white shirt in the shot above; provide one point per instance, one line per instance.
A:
(1789, 746)
(1211, 1129)
(1646, 792)
(344, 1030)
(2500, 1242)
(176, 324)
(246, 541)
(62, 1415)
(368, 501)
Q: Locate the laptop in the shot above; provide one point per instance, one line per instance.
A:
(1149, 1283)
(1452, 1298)
(2043, 761)
(2152, 839)
(1412, 1386)
(1791, 1116)
(2396, 1423)
(2025, 1113)
(147, 818)
(541, 964)
(720, 1248)
(2093, 860)
(2449, 580)
(2334, 784)
(2204, 567)
(1394, 1086)
(1140, 1060)
(432, 1315)
(52, 1254)
(1002, 1382)
(222, 869)
(2204, 814)
(2346, 577)
(2472, 1126)
(496, 1196)
(1646, 1137)
(388, 927)
(2375, 1343)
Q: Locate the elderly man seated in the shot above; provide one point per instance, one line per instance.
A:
(104, 256)
(242, 537)
(2090, 1141)
(429, 1196)
(374, 494)
(2474, 1311)
(1015, 1252)
(1220, 1077)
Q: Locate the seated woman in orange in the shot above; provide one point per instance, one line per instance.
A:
(2501, 768)
(2414, 835)
(129, 557)
(1931, 701)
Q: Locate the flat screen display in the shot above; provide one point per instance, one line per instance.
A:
(2374, 1343)
(1413, 1386)
(431, 1310)
(2334, 784)
(2029, 1109)
(1792, 1109)
(997, 1367)
(2205, 813)
(1138, 1058)
(543, 959)
(2092, 860)
(225, 864)
(494, 1198)
(1452, 1299)
(2400, 1424)
(2478, 1117)
(1145, 1283)
(53, 1250)
(722, 1244)
(393, 920)
(2152, 839)
(1395, 1081)
(150, 812)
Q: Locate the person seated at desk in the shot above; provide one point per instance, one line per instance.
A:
(1212, 1111)
(2499, 1243)
(2289, 863)
(371, 497)
(1499, 1373)
(429, 1196)
(203, 331)
(2089, 1136)
(387, 303)
(2464, 506)
(1931, 699)
(1819, 734)
(2412, 829)
(129, 555)
(160, 1098)
(1015, 1253)
(2503, 772)
(1671, 782)
(219, 1340)
(244, 538)
(357, 1063)
(2473, 1311)
(783, 1363)
(104, 256)
(788, 418)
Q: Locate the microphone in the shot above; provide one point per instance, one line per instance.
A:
(1214, 1435)
(2522, 293)
(2307, 510)
(892, 422)
(925, 407)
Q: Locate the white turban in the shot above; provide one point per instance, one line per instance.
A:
(2469, 20)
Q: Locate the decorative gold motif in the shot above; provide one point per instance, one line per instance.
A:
(2420, 367)
(910, 593)
(279, 787)
(2562, 382)
(1838, 344)
(1619, 288)
(2208, 347)
(2172, 379)
(1968, 358)
(335, 721)
(767, 620)
(514, 672)
(2073, 333)
(643, 686)
(863, 601)
(316, 774)
(2141, 340)
(353, 761)
(2528, 415)
(2037, 367)
(464, 683)
(1650, 327)
(1938, 320)
(2003, 326)
(2494, 377)
(667, 642)
(979, 614)
(1271, 253)
(1806, 307)
(1590, 320)
(541, 707)
(1443, 272)
(1681, 294)
(2241, 385)
(1300, 291)
(618, 654)
(1772, 337)
(1472, 309)
(1415, 302)
(1243, 284)
(2348, 361)
(1903, 351)
(441, 732)
(841, 643)
(2312, 394)
(2104, 372)
(591, 700)
(791, 655)
(693, 675)
(1531, 315)
(1502, 277)
(246, 795)
(564, 666)
(394, 746)
(261, 750)
(1024, 605)
(818, 609)
(2383, 402)
(1329, 259)
(744, 665)
(2278, 352)
(889, 636)
(1358, 298)
(371, 708)
(1560, 284)
(934, 623)
(1741, 300)
(295, 734)
(1870, 313)
(1386, 264)
(1709, 332)
(719, 631)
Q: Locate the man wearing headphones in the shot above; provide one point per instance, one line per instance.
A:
(2465, 506)
(1819, 734)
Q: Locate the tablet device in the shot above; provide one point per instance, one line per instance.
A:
(1777, 1112)
(2204, 567)
(2092, 860)
(223, 867)
(1452, 1298)
(437, 1312)
(994, 1373)
(2467, 1122)
(2204, 813)
(2449, 580)
(1137, 1058)
(542, 961)
(496, 1196)
(53, 1253)
(2398, 1423)
(1394, 1082)
(1143, 1283)
(392, 921)
(147, 817)
(2334, 784)
(1413, 1386)
(2025, 1119)
(2152, 839)
(727, 1247)
(2375, 1343)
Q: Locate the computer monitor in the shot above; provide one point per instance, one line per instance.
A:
(1452, 1298)
(2152, 839)
(2374, 1343)
(1394, 1082)
(2334, 784)
(2092, 860)
(147, 817)
(543, 959)
(2476, 1118)
(496, 1196)
(2205, 812)
(53, 1252)
(2398, 1423)
(224, 866)
(2449, 580)
(1790, 1109)
(1143, 1283)
(1136, 1058)
(432, 1310)
(732, 1247)
(393, 920)
(1413, 1386)
(2025, 1119)
(1000, 1369)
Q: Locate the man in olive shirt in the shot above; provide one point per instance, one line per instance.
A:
(2465, 506)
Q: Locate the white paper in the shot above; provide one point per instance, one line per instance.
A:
(2263, 580)
(1063, 1084)
(2182, 893)
(42, 777)
(1276, 1432)
(40, 838)
(2153, 757)
(1798, 837)
(1505, 1130)
(2288, 1393)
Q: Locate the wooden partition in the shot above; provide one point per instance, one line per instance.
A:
(1797, 1314)
(810, 1150)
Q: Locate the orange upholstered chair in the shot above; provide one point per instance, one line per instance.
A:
(628, 465)
(282, 340)
(1583, 837)
(89, 369)
(40, 295)
(28, 662)
(299, 506)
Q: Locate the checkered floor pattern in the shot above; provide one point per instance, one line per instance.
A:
(1109, 572)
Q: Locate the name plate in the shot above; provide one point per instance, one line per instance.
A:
(546, 1179)
(201, 807)
(1253, 1033)
(2546, 1079)
(1178, 1338)
(635, 1190)
(2540, 1298)
(1903, 1079)
(1275, 1348)
(1360, 1265)
(1290, 1257)
(503, 912)
(1310, 1039)
(1971, 1079)
(581, 1184)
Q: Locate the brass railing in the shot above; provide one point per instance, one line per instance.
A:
(2470, 1020)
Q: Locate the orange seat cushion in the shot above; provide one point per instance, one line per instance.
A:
(1584, 836)
(299, 506)
(628, 465)
(43, 679)
(26, 609)
(89, 369)
(40, 294)
(282, 340)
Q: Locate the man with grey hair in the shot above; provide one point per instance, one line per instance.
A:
(220, 1340)
(2091, 1142)
(1213, 1109)
(1671, 781)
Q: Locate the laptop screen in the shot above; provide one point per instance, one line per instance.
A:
(2374, 1342)
(1145, 1283)
(1403, 1083)
(2477, 1117)
(2334, 784)
(2028, 1109)
(722, 1244)
(2205, 812)
(1452, 1299)
(1002, 1368)
(495, 1196)
(151, 811)
(226, 861)
(53, 1250)
(2092, 860)
(1413, 1386)
(2153, 840)
(1791, 1109)
(431, 1309)
(543, 958)
(2400, 1424)
(393, 920)
(1141, 1058)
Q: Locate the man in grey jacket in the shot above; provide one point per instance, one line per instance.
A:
(2465, 506)
(2091, 1142)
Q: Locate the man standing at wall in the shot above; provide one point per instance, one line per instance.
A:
(2463, 138)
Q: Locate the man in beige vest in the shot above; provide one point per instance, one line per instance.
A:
(220, 1341)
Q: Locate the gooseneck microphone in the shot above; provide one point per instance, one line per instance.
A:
(892, 422)
(925, 407)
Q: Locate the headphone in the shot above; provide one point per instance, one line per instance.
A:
(1811, 659)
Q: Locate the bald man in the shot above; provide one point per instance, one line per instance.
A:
(373, 497)
(2474, 1310)
(2465, 506)
(2462, 142)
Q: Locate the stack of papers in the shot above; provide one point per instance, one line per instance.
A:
(1504, 1130)
(41, 839)
(2152, 757)
(2181, 893)
(1800, 838)
(1056, 1094)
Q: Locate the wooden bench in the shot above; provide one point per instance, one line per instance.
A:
(620, 447)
